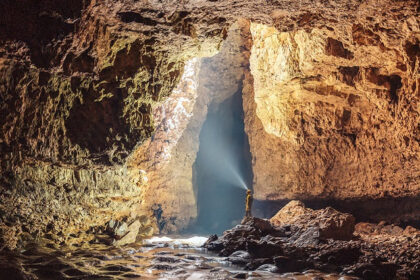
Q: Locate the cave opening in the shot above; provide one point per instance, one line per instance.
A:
(223, 160)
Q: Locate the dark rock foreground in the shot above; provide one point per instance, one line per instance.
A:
(324, 240)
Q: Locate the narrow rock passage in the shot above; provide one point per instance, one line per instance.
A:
(223, 164)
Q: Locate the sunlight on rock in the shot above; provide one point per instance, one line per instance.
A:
(190, 139)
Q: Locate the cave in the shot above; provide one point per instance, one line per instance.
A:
(209, 139)
(223, 164)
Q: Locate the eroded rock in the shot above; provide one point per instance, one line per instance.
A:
(325, 223)
(318, 242)
(331, 107)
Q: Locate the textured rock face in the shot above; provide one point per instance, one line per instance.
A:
(78, 83)
(333, 112)
(168, 157)
(379, 252)
(328, 222)
(331, 104)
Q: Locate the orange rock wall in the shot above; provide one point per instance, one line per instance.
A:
(334, 112)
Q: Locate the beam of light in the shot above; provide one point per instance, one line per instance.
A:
(241, 183)
(172, 116)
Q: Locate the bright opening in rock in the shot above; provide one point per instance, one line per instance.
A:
(130, 130)
(223, 160)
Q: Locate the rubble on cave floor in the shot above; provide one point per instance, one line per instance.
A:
(298, 239)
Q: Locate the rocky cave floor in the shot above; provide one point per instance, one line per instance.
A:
(297, 243)
(298, 238)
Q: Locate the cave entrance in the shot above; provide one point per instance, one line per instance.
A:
(223, 160)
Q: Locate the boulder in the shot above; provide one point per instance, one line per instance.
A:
(211, 239)
(289, 213)
(334, 224)
(263, 248)
(325, 223)
(268, 268)
(130, 236)
(239, 257)
(287, 264)
(263, 225)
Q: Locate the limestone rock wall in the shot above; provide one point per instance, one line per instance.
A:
(78, 80)
(333, 112)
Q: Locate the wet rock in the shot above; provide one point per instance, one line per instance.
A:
(215, 246)
(117, 268)
(74, 272)
(211, 239)
(229, 247)
(268, 267)
(288, 264)
(239, 257)
(241, 275)
(131, 275)
(240, 254)
(204, 266)
(306, 237)
(255, 263)
(160, 253)
(317, 278)
(193, 257)
(168, 259)
(163, 266)
(262, 248)
(339, 253)
(379, 249)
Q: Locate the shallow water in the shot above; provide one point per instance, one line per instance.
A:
(157, 258)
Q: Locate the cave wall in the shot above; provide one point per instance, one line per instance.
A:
(78, 83)
(167, 158)
(81, 83)
(333, 113)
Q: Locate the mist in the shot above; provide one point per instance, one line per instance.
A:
(223, 167)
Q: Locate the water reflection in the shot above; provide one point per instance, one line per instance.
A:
(157, 258)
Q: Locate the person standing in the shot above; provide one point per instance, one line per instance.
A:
(248, 203)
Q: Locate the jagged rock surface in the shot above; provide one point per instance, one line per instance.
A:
(298, 247)
(329, 222)
(80, 82)
(333, 112)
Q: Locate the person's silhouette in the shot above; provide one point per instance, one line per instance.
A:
(248, 204)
